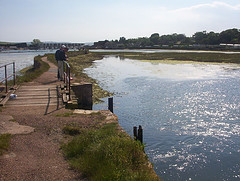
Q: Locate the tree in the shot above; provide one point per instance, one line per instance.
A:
(122, 40)
(154, 38)
(230, 36)
(36, 43)
(200, 37)
(213, 38)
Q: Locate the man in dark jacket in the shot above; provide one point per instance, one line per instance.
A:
(60, 57)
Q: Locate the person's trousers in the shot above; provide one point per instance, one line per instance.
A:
(60, 69)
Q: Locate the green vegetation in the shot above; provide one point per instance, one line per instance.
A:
(78, 64)
(33, 73)
(107, 154)
(28, 74)
(68, 114)
(200, 40)
(4, 142)
(6, 43)
(78, 61)
(98, 116)
(35, 44)
(70, 130)
(174, 56)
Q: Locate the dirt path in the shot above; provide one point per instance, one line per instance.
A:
(37, 155)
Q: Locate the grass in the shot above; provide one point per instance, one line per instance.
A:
(107, 154)
(67, 114)
(33, 73)
(78, 61)
(97, 116)
(70, 130)
(4, 142)
(175, 56)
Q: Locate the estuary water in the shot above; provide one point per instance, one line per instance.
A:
(190, 114)
(22, 59)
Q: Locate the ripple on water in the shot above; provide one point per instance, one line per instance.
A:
(190, 115)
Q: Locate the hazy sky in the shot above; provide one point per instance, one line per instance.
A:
(94, 20)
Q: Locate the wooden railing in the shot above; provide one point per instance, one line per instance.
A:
(8, 76)
(67, 78)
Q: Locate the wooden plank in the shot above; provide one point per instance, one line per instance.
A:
(29, 105)
(36, 92)
(38, 86)
(35, 103)
(35, 97)
(29, 90)
(31, 101)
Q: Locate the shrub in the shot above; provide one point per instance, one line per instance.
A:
(4, 142)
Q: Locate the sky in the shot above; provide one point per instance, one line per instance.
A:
(81, 21)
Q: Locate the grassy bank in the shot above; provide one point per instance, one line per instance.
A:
(78, 61)
(32, 73)
(174, 56)
(108, 154)
(4, 142)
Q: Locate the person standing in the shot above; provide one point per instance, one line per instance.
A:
(60, 56)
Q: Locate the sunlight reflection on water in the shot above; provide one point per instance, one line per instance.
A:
(190, 114)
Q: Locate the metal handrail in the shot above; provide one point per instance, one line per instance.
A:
(67, 78)
(8, 76)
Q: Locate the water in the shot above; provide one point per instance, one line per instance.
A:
(190, 114)
(22, 59)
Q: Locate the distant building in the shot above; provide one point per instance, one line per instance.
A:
(13, 46)
(54, 45)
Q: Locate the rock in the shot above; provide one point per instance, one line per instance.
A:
(9, 127)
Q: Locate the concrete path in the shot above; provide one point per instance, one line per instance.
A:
(36, 155)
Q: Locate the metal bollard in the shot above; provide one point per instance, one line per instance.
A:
(110, 104)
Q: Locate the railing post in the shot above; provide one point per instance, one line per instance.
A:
(6, 84)
(64, 73)
(14, 74)
(69, 83)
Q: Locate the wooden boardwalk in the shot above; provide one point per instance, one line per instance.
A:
(40, 95)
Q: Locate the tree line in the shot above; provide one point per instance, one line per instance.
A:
(201, 40)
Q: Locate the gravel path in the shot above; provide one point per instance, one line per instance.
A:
(37, 156)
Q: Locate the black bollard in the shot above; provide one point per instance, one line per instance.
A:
(140, 134)
(110, 104)
(135, 135)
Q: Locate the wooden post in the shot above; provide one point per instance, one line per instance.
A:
(110, 104)
(140, 134)
(6, 83)
(135, 132)
(69, 83)
(14, 74)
